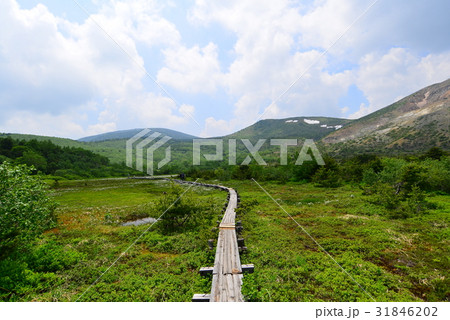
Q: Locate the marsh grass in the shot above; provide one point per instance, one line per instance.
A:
(89, 238)
(393, 259)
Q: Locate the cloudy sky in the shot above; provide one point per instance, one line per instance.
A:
(73, 68)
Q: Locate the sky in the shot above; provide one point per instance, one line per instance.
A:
(76, 68)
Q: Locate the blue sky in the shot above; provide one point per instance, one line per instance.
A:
(210, 68)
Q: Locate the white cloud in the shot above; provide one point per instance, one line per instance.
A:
(154, 109)
(143, 20)
(268, 61)
(101, 128)
(145, 110)
(344, 110)
(418, 25)
(39, 68)
(43, 124)
(387, 78)
(61, 69)
(272, 111)
(326, 21)
(362, 111)
(193, 70)
(51, 66)
(277, 42)
(187, 110)
(217, 128)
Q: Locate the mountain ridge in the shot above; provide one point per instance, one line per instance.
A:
(412, 124)
(129, 133)
(293, 127)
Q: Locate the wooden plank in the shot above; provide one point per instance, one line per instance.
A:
(214, 287)
(227, 269)
(230, 287)
(248, 268)
(236, 253)
(206, 270)
(222, 289)
(238, 285)
(226, 254)
(227, 226)
(198, 297)
(218, 257)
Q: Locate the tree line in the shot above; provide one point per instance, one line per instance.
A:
(65, 162)
(397, 184)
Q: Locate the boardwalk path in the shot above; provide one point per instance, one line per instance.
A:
(227, 271)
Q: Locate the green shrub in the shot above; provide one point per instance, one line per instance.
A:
(399, 204)
(17, 280)
(437, 175)
(369, 178)
(31, 158)
(52, 257)
(329, 175)
(180, 212)
(306, 171)
(327, 178)
(387, 196)
(391, 170)
(411, 175)
(4, 158)
(434, 153)
(26, 210)
(415, 202)
(353, 169)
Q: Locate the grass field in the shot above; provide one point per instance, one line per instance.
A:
(392, 260)
(89, 239)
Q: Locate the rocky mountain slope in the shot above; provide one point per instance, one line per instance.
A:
(414, 124)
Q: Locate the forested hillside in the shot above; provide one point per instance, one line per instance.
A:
(68, 162)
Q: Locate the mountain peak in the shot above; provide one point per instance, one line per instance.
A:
(294, 127)
(127, 134)
(413, 124)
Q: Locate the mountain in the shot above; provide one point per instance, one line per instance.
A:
(297, 127)
(127, 134)
(63, 161)
(113, 150)
(411, 125)
(62, 142)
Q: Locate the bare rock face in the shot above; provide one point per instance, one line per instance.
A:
(414, 124)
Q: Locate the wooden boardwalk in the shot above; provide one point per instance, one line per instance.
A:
(227, 270)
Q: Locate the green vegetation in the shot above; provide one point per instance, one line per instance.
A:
(114, 150)
(127, 134)
(279, 128)
(393, 260)
(181, 214)
(62, 162)
(161, 266)
(25, 208)
(384, 220)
